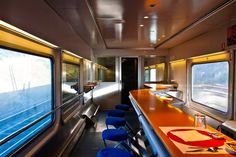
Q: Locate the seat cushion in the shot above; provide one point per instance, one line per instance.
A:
(113, 152)
(114, 135)
(122, 107)
(116, 113)
(115, 121)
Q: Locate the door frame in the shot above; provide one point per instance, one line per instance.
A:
(140, 69)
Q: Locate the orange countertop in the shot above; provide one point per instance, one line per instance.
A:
(160, 114)
(159, 86)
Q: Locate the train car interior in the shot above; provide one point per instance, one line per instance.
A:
(117, 78)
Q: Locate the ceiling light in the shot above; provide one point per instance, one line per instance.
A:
(163, 36)
(159, 39)
(141, 25)
(146, 17)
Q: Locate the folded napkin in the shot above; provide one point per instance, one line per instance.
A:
(191, 135)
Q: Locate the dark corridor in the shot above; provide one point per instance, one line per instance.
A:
(129, 67)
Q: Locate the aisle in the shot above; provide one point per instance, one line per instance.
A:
(91, 142)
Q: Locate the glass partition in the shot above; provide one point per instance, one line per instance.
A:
(105, 72)
(154, 69)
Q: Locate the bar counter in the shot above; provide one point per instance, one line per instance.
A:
(158, 113)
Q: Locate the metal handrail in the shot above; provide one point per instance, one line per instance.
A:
(30, 125)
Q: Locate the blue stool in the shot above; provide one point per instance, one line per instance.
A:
(122, 107)
(118, 135)
(115, 121)
(116, 113)
(113, 152)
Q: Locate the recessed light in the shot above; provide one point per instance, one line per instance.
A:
(146, 17)
(152, 5)
(163, 36)
(159, 39)
(141, 25)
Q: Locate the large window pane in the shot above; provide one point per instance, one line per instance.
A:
(210, 85)
(25, 95)
(70, 81)
(153, 75)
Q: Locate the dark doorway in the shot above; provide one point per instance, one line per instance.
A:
(129, 73)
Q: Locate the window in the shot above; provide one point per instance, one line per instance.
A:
(70, 81)
(70, 89)
(210, 83)
(109, 66)
(25, 95)
(153, 74)
(147, 75)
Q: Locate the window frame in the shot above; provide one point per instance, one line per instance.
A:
(210, 111)
(53, 116)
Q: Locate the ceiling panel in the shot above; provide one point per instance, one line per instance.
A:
(115, 24)
(224, 17)
(119, 20)
(77, 14)
(37, 18)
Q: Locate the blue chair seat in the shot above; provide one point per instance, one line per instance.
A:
(115, 121)
(122, 107)
(116, 113)
(114, 135)
(113, 152)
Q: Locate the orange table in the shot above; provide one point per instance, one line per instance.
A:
(160, 114)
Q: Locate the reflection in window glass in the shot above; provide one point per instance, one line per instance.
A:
(210, 85)
(25, 95)
(153, 74)
(70, 81)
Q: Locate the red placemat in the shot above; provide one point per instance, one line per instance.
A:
(206, 143)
